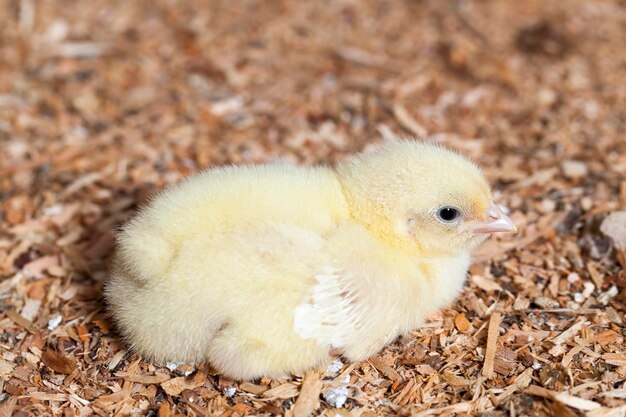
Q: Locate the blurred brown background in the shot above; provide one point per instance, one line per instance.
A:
(104, 102)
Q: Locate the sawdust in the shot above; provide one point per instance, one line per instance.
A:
(104, 103)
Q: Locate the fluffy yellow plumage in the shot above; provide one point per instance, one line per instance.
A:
(262, 270)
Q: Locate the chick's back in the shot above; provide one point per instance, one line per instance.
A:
(225, 200)
(212, 270)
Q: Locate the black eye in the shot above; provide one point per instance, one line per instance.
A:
(448, 214)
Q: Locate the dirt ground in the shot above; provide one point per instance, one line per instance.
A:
(104, 102)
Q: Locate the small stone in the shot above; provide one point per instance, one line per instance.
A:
(230, 391)
(334, 367)
(572, 277)
(589, 287)
(547, 206)
(606, 296)
(336, 397)
(574, 169)
(54, 322)
(586, 203)
(614, 226)
(546, 97)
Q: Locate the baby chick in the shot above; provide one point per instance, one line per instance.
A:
(263, 270)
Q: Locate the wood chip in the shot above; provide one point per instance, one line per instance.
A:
(522, 381)
(485, 283)
(7, 407)
(308, 400)
(175, 386)
(492, 340)
(116, 359)
(409, 122)
(36, 268)
(241, 409)
(253, 388)
(385, 369)
(576, 402)
(164, 409)
(19, 320)
(144, 379)
(569, 333)
(58, 362)
(505, 361)
(615, 393)
(617, 359)
(457, 380)
(6, 367)
(44, 396)
(608, 412)
(283, 391)
(563, 397)
(614, 226)
(30, 309)
(567, 358)
(105, 401)
(461, 323)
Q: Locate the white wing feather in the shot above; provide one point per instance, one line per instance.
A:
(331, 315)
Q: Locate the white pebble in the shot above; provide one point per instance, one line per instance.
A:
(334, 367)
(608, 294)
(574, 169)
(336, 397)
(573, 277)
(54, 322)
(589, 287)
(547, 206)
(586, 203)
(546, 97)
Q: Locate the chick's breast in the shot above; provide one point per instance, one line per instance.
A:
(213, 270)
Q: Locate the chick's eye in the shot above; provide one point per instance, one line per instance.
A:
(448, 214)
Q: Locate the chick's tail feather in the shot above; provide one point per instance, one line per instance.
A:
(144, 253)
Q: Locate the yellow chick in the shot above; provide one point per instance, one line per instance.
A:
(263, 270)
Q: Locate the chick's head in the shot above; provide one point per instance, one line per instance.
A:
(423, 197)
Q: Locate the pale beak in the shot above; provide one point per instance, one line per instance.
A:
(496, 221)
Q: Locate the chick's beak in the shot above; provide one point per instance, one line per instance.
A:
(496, 221)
